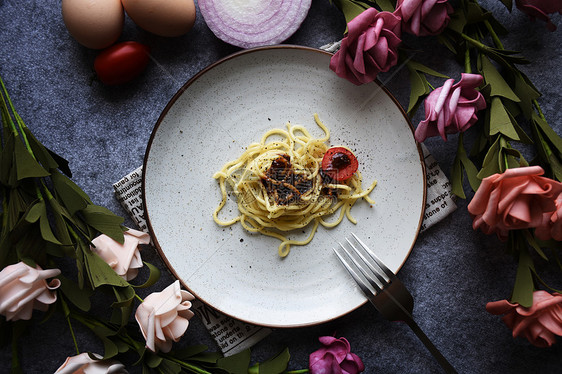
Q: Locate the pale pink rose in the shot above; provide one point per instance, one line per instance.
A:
(424, 17)
(540, 9)
(23, 288)
(334, 357)
(515, 199)
(551, 226)
(84, 364)
(124, 258)
(370, 47)
(451, 108)
(164, 316)
(539, 324)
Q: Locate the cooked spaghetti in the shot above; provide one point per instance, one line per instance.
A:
(280, 186)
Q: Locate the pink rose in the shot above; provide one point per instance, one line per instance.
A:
(334, 358)
(424, 17)
(84, 364)
(164, 316)
(540, 9)
(516, 199)
(551, 226)
(451, 108)
(539, 323)
(124, 258)
(23, 288)
(370, 46)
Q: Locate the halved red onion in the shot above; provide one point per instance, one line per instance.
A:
(254, 23)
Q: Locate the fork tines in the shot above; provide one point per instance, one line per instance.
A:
(370, 273)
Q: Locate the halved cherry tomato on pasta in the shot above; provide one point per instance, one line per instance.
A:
(121, 62)
(339, 163)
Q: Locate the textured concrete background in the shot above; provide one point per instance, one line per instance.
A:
(452, 271)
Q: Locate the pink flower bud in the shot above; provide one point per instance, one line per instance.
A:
(539, 324)
(424, 17)
(23, 288)
(84, 364)
(124, 258)
(518, 198)
(370, 47)
(451, 108)
(334, 357)
(540, 9)
(164, 316)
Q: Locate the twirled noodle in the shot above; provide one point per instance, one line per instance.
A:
(261, 212)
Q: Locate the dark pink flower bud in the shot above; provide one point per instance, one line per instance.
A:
(451, 108)
(370, 47)
(424, 17)
(334, 357)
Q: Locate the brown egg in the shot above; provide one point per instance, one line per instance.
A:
(162, 17)
(94, 23)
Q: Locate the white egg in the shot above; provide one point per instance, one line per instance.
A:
(95, 24)
(162, 17)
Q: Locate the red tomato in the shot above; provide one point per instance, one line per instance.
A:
(339, 163)
(121, 62)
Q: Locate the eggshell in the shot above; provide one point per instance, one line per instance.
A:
(162, 17)
(95, 24)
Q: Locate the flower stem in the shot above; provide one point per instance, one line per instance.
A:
(297, 371)
(188, 366)
(67, 316)
(139, 298)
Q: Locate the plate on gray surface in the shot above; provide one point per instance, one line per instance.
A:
(211, 120)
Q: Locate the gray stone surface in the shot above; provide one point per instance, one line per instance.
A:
(452, 271)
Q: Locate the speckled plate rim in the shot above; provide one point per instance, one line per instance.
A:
(160, 120)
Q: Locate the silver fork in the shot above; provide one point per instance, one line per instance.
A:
(385, 291)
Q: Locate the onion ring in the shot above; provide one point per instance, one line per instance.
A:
(253, 23)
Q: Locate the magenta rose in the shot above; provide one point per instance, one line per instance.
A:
(515, 199)
(539, 324)
(540, 9)
(451, 108)
(370, 47)
(424, 17)
(334, 357)
(551, 226)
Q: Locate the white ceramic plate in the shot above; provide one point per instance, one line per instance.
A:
(209, 122)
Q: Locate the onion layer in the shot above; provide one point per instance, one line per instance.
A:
(254, 23)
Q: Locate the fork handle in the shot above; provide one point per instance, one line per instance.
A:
(432, 348)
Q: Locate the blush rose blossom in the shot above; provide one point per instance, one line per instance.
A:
(370, 46)
(24, 288)
(334, 357)
(451, 108)
(84, 364)
(539, 324)
(424, 17)
(164, 316)
(518, 198)
(540, 9)
(124, 258)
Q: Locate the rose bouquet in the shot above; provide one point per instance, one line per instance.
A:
(518, 200)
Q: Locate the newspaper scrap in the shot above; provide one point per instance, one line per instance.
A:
(233, 336)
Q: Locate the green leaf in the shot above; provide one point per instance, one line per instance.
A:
(26, 165)
(153, 277)
(103, 220)
(500, 121)
(419, 87)
(424, 69)
(78, 296)
(8, 174)
(236, 364)
(72, 196)
(152, 360)
(169, 367)
(386, 5)
(41, 153)
(38, 212)
(277, 364)
(508, 4)
(189, 352)
(525, 90)
(492, 77)
(99, 272)
(490, 165)
(524, 286)
(457, 21)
